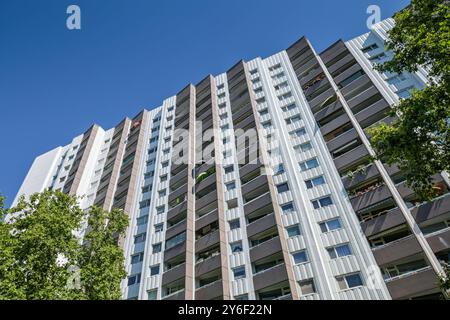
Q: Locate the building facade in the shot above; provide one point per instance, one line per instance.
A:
(259, 183)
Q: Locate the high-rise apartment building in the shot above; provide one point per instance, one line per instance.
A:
(292, 206)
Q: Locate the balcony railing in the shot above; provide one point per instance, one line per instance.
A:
(408, 274)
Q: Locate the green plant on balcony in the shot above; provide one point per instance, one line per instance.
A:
(202, 176)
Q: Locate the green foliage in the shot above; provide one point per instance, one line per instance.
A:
(418, 140)
(444, 279)
(39, 242)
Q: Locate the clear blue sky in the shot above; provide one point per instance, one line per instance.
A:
(54, 83)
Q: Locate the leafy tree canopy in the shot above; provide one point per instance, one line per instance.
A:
(419, 139)
(43, 256)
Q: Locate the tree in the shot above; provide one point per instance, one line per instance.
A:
(418, 141)
(40, 242)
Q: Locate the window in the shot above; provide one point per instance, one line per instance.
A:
(263, 112)
(236, 246)
(167, 140)
(222, 105)
(226, 154)
(293, 231)
(289, 107)
(159, 227)
(405, 93)
(223, 116)
(339, 251)
(369, 48)
(267, 125)
(299, 132)
(231, 186)
(254, 71)
(144, 204)
(239, 272)
(303, 147)
(293, 119)
(222, 95)
(275, 67)
(323, 202)
(258, 90)
(154, 270)
(142, 220)
(377, 57)
(241, 297)
(288, 208)
(310, 164)
(300, 257)
(145, 189)
(229, 169)
(330, 225)
(165, 164)
(152, 294)
(256, 80)
(281, 85)
(225, 127)
(231, 204)
(139, 238)
(162, 193)
(226, 140)
(156, 248)
(307, 287)
(134, 279)
(137, 258)
(234, 224)
(282, 187)
(261, 100)
(350, 79)
(285, 96)
(279, 169)
(160, 209)
(179, 238)
(278, 75)
(163, 178)
(170, 109)
(166, 151)
(349, 281)
(220, 86)
(315, 182)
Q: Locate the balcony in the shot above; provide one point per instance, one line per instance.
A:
(351, 158)
(178, 193)
(208, 182)
(415, 283)
(179, 179)
(255, 188)
(247, 123)
(342, 140)
(177, 168)
(207, 241)
(205, 266)
(179, 295)
(175, 251)
(174, 274)
(334, 124)
(264, 223)
(270, 277)
(210, 291)
(396, 250)
(206, 219)
(206, 200)
(265, 249)
(176, 229)
(262, 202)
(316, 103)
(373, 113)
(173, 213)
